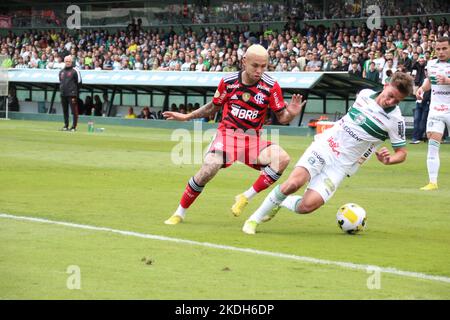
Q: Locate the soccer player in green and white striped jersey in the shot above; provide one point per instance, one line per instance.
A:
(438, 81)
(339, 151)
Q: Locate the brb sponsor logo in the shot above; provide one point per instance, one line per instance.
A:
(243, 113)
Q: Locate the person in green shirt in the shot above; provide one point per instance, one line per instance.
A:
(42, 63)
(8, 62)
(230, 67)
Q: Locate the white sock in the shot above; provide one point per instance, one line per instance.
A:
(274, 198)
(181, 212)
(433, 161)
(291, 203)
(250, 193)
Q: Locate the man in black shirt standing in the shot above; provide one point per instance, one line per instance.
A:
(422, 106)
(69, 85)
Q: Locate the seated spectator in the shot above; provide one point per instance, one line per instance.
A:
(89, 106)
(130, 114)
(81, 108)
(388, 66)
(335, 66)
(187, 64)
(145, 114)
(215, 66)
(315, 64)
(355, 69)
(387, 80)
(13, 102)
(59, 64)
(21, 64)
(230, 67)
(98, 106)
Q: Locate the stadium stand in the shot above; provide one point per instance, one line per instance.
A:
(304, 43)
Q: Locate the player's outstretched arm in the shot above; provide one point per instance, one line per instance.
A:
(385, 157)
(203, 112)
(292, 109)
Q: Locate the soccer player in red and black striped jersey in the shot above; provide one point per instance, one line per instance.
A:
(245, 98)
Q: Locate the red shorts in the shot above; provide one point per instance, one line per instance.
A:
(235, 145)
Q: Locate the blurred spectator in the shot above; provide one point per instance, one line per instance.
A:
(89, 106)
(355, 69)
(98, 105)
(130, 114)
(13, 102)
(105, 105)
(314, 64)
(145, 114)
(81, 107)
(372, 74)
(221, 49)
(422, 106)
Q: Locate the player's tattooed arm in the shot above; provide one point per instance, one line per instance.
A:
(203, 112)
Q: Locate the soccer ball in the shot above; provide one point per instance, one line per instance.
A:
(351, 218)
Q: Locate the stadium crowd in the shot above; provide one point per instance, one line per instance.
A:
(201, 12)
(351, 48)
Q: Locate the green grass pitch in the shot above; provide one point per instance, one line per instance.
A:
(124, 179)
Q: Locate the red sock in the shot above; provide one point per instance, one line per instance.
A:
(266, 179)
(191, 193)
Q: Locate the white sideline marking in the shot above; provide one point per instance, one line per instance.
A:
(347, 265)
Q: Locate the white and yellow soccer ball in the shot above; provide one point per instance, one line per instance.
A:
(351, 218)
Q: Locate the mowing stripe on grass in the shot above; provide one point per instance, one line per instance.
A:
(347, 265)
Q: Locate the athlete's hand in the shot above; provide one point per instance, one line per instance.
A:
(296, 105)
(170, 115)
(419, 94)
(441, 79)
(383, 155)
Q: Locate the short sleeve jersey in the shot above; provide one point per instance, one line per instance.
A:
(245, 107)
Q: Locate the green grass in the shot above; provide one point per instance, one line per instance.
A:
(124, 179)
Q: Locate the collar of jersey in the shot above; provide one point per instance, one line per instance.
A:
(439, 61)
(387, 110)
(242, 83)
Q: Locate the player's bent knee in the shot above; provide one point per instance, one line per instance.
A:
(305, 207)
(284, 160)
(290, 186)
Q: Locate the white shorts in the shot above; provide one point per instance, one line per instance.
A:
(437, 122)
(326, 175)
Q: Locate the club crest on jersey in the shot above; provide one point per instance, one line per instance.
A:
(246, 96)
(360, 119)
(259, 98)
(218, 146)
